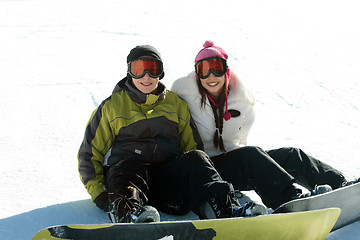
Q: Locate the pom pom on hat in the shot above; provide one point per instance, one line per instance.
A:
(208, 43)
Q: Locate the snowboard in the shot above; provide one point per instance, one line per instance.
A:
(300, 225)
(346, 198)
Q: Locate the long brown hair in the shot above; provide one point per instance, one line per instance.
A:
(218, 112)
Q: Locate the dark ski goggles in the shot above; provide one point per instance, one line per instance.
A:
(215, 65)
(138, 68)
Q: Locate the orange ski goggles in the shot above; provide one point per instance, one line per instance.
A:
(138, 68)
(215, 65)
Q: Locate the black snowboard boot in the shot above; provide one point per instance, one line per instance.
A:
(230, 207)
(125, 209)
(319, 189)
(348, 183)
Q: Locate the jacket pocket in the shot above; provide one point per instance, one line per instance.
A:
(143, 150)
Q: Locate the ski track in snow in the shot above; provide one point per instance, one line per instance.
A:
(60, 59)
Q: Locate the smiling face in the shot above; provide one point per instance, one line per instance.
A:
(213, 85)
(146, 84)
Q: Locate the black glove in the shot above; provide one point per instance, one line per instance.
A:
(103, 202)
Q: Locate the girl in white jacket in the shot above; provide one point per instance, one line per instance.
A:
(223, 110)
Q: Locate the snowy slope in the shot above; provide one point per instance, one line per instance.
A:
(60, 58)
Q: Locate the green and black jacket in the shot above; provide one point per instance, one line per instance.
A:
(130, 124)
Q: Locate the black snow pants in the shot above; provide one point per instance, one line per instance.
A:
(307, 170)
(272, 174)
(176, 187)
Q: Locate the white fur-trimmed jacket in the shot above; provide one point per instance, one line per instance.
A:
(236, 130)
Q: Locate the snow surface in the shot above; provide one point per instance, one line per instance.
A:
(60, 59)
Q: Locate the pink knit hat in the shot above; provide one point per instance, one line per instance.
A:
(208, 51)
